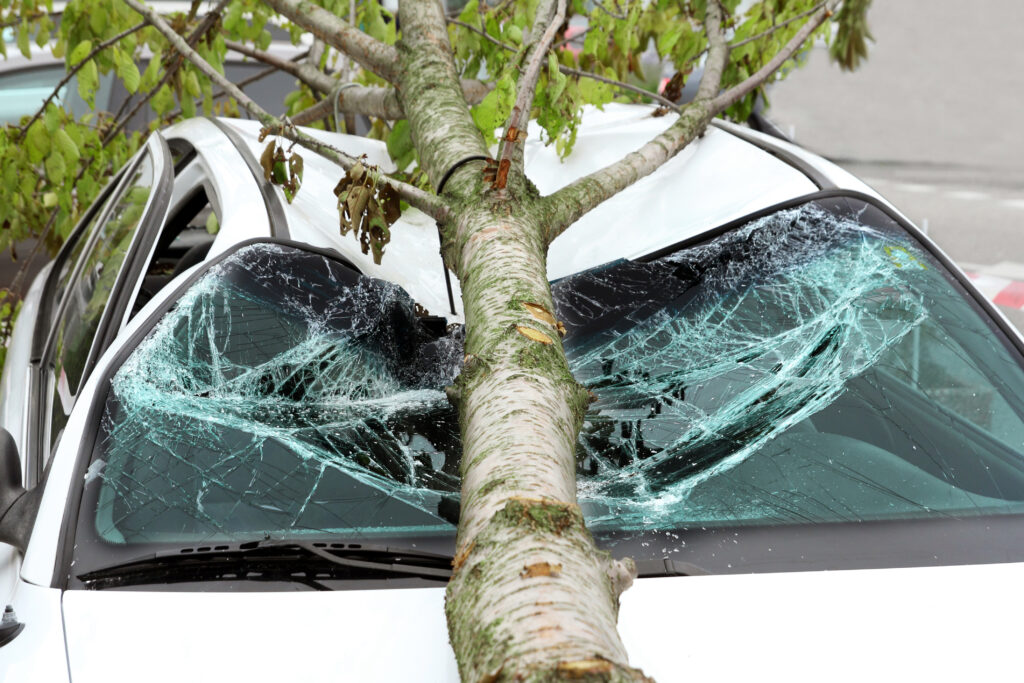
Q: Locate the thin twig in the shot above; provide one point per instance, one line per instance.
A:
(428, 203)
(776, 27)
(566, 41)
(33, 17)
(483, 33)
(613, 15)
(208, 22)
(553, 13)
(580, 73)
(531, 74)
(664, 101)
(755, 80)
(74, 70)
(307, 73)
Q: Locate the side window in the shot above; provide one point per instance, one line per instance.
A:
(189, 231)
(91, 285)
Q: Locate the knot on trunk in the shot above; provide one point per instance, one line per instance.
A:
(621, 574)
(542, 514)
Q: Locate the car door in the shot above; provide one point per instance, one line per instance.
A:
(93, 285)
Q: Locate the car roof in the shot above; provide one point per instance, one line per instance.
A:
(728, 173)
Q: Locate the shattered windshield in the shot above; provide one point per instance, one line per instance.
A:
(813, 365)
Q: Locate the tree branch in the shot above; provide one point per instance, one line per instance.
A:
(432, 97)
(381, 103)
(739, 91)
(578, 73)
(416, 197)
(718, 53)
(663, 101)
(776, 27)
(371, 54)
(209, 22)
(571, 202)
(307, 73)
(613, 15)
(553, 15)
(483, 33)
(74, 70)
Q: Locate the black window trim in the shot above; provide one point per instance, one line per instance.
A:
(111, 319)
(65, 544)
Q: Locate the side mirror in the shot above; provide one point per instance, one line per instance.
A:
(18, 506)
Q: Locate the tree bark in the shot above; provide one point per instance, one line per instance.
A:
(531, 598)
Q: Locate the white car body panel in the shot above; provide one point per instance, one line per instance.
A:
(888, 624)
(15, 379)
(38, 652)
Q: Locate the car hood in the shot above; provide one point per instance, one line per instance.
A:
(943, 623)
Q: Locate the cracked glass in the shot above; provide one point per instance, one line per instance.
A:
(812, 365)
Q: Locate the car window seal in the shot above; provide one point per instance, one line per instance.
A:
(50, 310)
(271, 200)
(112, 320)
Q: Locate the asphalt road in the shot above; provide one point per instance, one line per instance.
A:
(931, 121)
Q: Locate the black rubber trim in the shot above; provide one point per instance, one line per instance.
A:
(925, 243)
(134, 266)
(455, 167)
(47, 304)
(65, 540)
(814, 175)
(275, 210)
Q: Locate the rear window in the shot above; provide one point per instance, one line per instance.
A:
(812, 367)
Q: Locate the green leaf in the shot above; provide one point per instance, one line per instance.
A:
(212, 224)
(88, 82)
(668, 38)
(127, 71)
(56, 169)
(51, 118)
(192, 84)
(80, 52)
(556, 79)
(188, 106)
(264, 39)
(37, 140)
(400, 145)
(66, 146)
(23, 40)
(163, 100)
(151, 75)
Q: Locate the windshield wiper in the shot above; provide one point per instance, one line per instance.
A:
(271, 560)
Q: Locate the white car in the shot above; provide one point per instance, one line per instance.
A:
(209, 433)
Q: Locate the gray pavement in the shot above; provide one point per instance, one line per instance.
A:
(931, 121)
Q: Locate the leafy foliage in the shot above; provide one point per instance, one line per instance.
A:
(54, 163)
